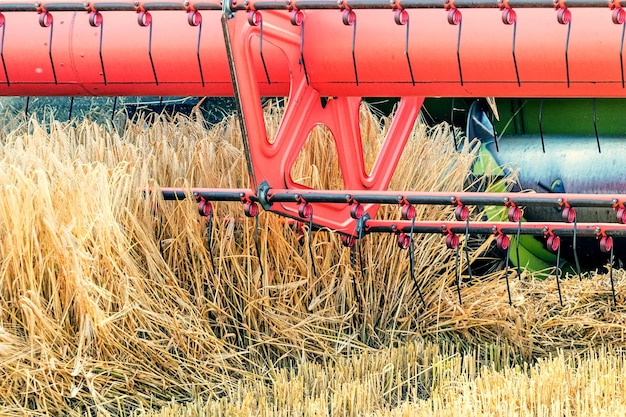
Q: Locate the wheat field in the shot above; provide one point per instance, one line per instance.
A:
(114, 303)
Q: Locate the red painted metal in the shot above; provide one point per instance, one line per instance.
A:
(484, 52)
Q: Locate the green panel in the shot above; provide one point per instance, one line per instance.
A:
(562, 116)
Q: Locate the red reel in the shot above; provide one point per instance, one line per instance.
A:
(503, 242)
(251, 209)
(461, 213)
(404, 241)
(553, 243)
(452, 241)
(205, 208)
(305, 210)
(408, 212)
(606, 243)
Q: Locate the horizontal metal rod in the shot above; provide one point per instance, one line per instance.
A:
(104, 6)
(285, 5)
(445, 198)
(65, 7)
(209, 194)
(272, 5)
(206, 6)
(410, 4)
(113, 6)
(487, 228)
(20, 7)
(163, 5)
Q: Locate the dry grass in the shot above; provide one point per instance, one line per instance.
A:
(421, 379)
(107, 306)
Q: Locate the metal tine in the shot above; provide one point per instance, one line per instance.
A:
(543, 143)
(595, 125)
(26, 107)
(209, 238)
(458, 51)
(209, 229)
(493, 127)
(194, 18)
(458, 274)
(517, 237)
(564, 18)
(310, 238)
(611, 259)
(205, 209)
(506, 274)
(114, 109)
(144, 19)
(401, 17)
(360, 252)
(620, 20)
(574, 244)
(255, 19)
(349, 19)
(509, 17)
(355, 286)
(69, 113)
(558, 274)
(302, 61)
(159, 231)
(455, 18)
(412, 263)
(4, 65)
(466, 249)
(454, 138)
(257, 244)
(606, 245)
(96, 20)
(46, 21)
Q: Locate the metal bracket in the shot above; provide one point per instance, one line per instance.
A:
(262, 195)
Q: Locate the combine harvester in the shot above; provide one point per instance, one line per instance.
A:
(554, 69)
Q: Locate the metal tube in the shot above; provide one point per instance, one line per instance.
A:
(209, 194)
(114, 6)
(446, 198)
(64, 7)
(488, 228)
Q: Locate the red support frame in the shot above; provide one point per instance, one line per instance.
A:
(270, 161)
